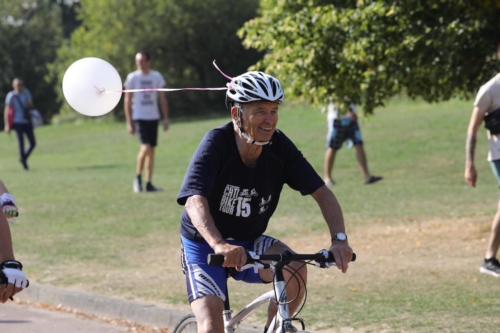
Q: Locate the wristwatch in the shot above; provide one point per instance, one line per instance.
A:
(339, 236)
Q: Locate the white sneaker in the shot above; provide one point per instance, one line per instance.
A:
(137, 185)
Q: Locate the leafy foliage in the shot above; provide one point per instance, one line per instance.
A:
(183, 37)
(30, 33)
(368, 51)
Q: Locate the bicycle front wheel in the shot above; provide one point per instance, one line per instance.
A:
(187, 324)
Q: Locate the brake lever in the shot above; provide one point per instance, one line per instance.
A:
(324, 263)
(257, 265)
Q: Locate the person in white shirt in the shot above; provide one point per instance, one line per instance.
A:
(340, 130)
(142, 112)
(486, 103)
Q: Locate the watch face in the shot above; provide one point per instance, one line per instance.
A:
(341, 236)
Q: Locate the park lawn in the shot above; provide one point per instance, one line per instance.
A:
(420, 233)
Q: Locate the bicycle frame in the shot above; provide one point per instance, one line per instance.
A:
(231, 323)
(281, 322)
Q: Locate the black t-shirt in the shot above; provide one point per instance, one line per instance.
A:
(243, 199)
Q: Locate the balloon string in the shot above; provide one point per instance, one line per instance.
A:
(155, 89)
(227, 76)
(104, 91)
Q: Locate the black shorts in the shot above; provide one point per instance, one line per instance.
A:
(344, 129)
(147, 131)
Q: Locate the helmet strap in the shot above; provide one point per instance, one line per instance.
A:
(239, 123)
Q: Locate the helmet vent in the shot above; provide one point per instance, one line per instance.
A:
(262, 85)
(248, 86)
(255, 96)
(273, 86)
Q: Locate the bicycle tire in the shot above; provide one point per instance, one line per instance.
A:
(187, 324)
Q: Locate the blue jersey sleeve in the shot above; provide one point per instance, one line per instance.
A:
(202, 170)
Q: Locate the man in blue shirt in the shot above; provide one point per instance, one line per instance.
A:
(230, 191)
(20, 101)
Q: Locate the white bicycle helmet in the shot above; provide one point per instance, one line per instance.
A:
(251, 87)
(254, 86)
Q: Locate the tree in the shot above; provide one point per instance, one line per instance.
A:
(183, 37)
(370, 50)
(30, 33)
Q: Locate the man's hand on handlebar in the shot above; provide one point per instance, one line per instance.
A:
(342, 254)
(234, 256)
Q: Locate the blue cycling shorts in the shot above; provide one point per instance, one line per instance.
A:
(202, 279)
(495, 167)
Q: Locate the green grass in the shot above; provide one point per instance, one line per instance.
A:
(81, 224)
(418, 148)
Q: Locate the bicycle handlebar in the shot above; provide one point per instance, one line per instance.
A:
(218, 259)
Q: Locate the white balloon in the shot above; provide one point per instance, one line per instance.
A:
(85, 83)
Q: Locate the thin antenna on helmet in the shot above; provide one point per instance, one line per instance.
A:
(227, 76)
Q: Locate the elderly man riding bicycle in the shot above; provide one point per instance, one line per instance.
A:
(232, 188)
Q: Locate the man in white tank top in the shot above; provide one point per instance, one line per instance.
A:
(487, 101)
(142, 112)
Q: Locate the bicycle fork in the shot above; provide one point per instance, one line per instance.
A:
(282, 322)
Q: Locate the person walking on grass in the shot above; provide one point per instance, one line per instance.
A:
(230, 191)
(486, 108)
(12, 278)
(18, 103)
(342, 129)
(142, 114)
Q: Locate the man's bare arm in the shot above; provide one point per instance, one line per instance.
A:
(470, 147)
(6, 116)
(470, 174)
(199, 212)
